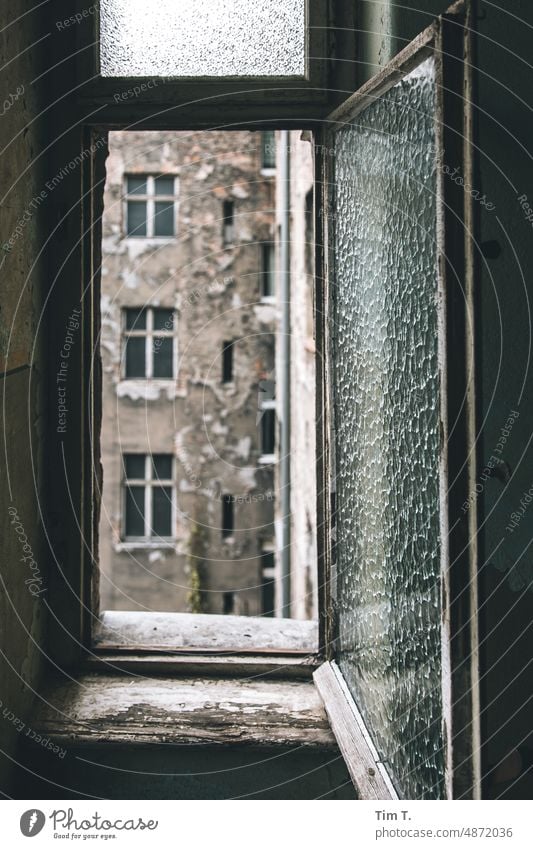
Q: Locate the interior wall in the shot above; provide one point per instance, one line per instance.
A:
(24, 574)
(505, 292)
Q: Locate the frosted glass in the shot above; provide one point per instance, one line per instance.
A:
(202, 38)
(386, 402)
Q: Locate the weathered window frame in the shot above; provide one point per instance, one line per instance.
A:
(149, 334)
(148, 483)
(448, 40)
(150, 199)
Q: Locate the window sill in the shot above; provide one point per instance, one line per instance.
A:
(124, 710)
(268, 172)
(267, 460)
(148, 240)
(136, 545)
(204, 633)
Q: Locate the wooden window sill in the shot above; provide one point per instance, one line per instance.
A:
(127, 710)
(189, 633)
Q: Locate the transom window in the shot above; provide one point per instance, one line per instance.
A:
(149, 343)
(148, 496)
(151, 205)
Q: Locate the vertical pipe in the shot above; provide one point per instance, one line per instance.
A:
(285, 376)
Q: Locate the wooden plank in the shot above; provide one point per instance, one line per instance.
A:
(126, 710)
(227, 666)
(204, 633)
(368, 774)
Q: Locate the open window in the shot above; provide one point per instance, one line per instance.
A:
(390, 282)
(397, 686)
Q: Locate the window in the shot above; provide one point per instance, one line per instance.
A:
(268, 430)
(227, 361)
(148, 497)
(268, 150)
(228, 603)
(268, 582)
(227, 516)
(268, 271)
(149, 343)
(151, 206)
(228, 227)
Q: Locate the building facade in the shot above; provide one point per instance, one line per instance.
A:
(188, 338)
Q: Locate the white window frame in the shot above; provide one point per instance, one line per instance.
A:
(150, 199)
(149, 333)
(148, 483)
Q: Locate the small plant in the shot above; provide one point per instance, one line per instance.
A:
(196, 553)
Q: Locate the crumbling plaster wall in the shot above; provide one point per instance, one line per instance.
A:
(210, 427)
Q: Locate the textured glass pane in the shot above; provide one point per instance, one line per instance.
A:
(213, 38)
(163, 349)
(135, 511)
(163, 319)
(164, 219)
(161, 511)
(164, 185)
(136, 218)
(135, 319)
(136, 356)
(387, 427)
(162, 467)
(137, 186)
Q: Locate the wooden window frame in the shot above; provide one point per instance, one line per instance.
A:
(449, 41)
(269, 100)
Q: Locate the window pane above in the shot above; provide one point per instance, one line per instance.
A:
(162, 467)
(137, 186)
(164, 185)
(135, 319)
(163, 319)
(134, 466)
(218, 38)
